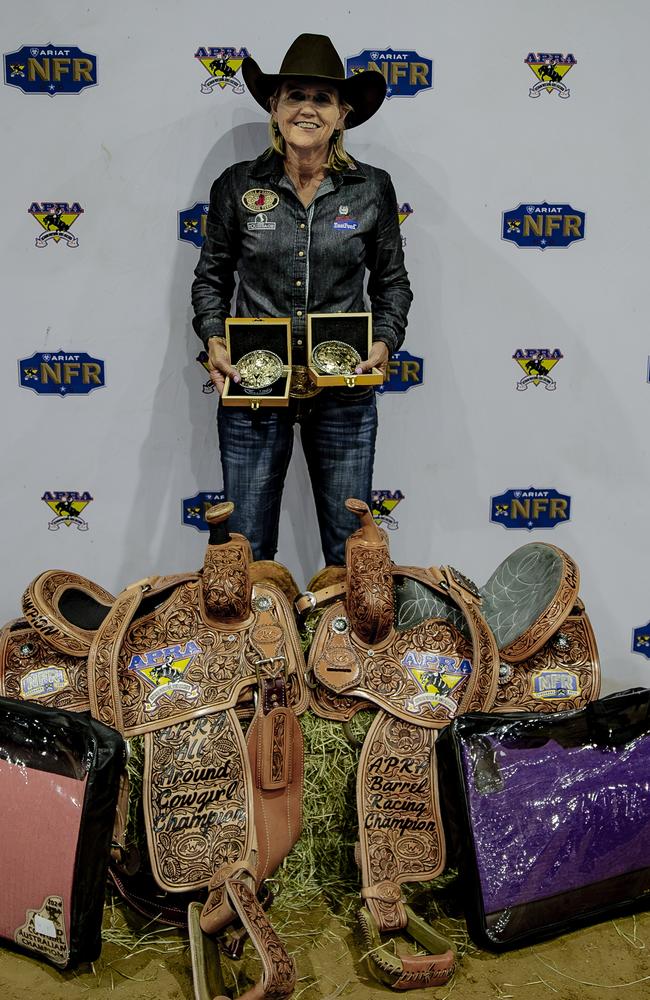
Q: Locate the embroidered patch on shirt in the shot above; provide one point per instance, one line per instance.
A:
(261, 221)
(260, 199)
(343, 222)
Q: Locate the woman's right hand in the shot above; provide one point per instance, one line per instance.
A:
(219, 365)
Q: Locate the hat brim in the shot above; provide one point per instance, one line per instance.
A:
(364, 91)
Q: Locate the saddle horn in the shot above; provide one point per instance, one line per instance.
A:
(226, 577)
(370, 600)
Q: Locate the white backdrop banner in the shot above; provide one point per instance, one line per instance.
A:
(516, 410)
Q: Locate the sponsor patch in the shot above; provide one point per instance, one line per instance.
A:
(537, 364)
(260, 200)
(56, 219)
(405, 71)
(61, 374)
(260, 223)
(67, 507)
(222, 64)
(543, 226)
(43, 682)
(343, 222)
(50, 69)
(554, 685)
(194, 508)
(192, 222)
(550, 68)
(530, 508)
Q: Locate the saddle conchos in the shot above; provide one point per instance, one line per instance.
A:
(425, 646)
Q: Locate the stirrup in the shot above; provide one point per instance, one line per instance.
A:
(407, 972)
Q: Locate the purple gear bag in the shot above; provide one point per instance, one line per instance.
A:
(551, 816)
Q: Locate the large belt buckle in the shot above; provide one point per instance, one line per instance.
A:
(335, 357)
(301, 386)
(259, 371)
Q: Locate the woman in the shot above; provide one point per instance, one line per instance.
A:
(327, 219)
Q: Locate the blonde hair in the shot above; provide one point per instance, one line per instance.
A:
(337, 160)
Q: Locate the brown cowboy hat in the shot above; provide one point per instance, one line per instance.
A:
(313, 57)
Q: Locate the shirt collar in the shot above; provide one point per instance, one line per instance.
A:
(271, 166)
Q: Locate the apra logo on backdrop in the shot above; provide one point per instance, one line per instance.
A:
(56, 219)
(382, 507)
(50, 69)
(550, 68)
(405, 72)
(543, 226)
(530, 508)
(194, 508)
(641, 640)
(536, 364)
(67, 507)
(61, 374)
(191, 224)
(404, 371)
(222, 63)
(403, 213)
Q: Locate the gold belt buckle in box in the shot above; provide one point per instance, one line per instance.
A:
(259, 370)
(334, 357)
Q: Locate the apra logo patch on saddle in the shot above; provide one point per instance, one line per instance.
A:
(530, 508)
(61, 374)
(550, 68)
(164, 670)
(405, 370)
(50, 69)
(536, 364)
(543, 226)
(436, 676)
(55, 218)
(222, 64)
(67, 507)
(405, 72)
(191, 224)
(382, 507)
(194, 508)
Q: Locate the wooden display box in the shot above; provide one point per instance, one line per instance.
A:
(354, 329)
(251, 334)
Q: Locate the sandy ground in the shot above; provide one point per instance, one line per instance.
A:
(609, 960)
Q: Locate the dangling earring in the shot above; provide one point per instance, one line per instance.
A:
(336, 135)
(275, 127)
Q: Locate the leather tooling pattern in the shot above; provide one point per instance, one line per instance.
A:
(31, 669)
(196, 800)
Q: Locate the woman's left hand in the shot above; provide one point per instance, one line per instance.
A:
(378, 358)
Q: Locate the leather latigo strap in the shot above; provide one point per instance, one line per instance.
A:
(197, 790)
(158, 659)
(278, 968)
(401, 839)
(402, 674)
(32, 670)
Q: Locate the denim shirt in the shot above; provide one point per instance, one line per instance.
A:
(292, 260)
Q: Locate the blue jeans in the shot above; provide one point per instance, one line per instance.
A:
(338, 429)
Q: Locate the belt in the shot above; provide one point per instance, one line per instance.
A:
(301, 386)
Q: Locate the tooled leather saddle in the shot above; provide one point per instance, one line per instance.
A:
(423, 646)
(178, 660)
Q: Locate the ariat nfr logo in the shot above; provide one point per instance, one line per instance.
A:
(61, 374)
(537, 363)
(554, 685)
(192, 222)
(222, 63)
(56, 219)
(550, 68)
(194, 508)
(382, 507)
(50, 69)
(164, 671)
(405, 370)
(531, 508)
(67, 506)
(641, 640)
(543, 226)
(405, 72)
(436, 676)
